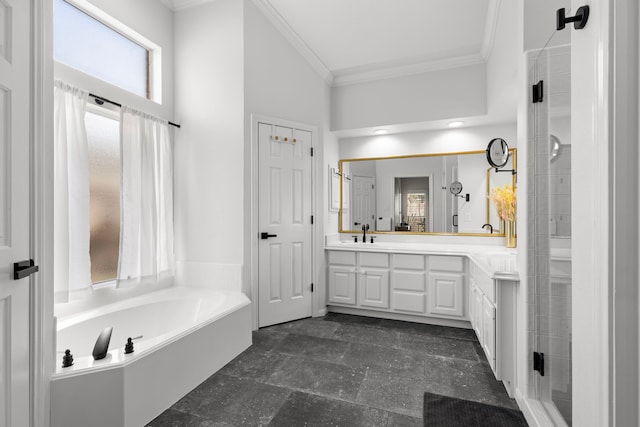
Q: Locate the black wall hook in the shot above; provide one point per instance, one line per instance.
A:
(579, 20)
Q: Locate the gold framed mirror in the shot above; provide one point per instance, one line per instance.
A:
(437, 194)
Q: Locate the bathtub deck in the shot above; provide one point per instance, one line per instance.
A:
(341, 370)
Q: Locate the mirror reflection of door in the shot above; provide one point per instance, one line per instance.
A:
(413, 207)
(454, 202)
(363, 201)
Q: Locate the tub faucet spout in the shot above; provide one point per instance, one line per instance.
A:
(490, 227)
(102, 344)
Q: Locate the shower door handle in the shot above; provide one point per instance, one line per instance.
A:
(24, 269)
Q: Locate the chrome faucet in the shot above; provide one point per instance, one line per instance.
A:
(365, 227)
(490, 227)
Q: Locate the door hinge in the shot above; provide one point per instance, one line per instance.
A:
(538, 92)
(311, 219)
(311, 151)
(312, 287)
(538, 362)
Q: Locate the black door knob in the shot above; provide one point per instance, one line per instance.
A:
(265, 236)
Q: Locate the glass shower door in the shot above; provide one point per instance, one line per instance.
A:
(549, 144)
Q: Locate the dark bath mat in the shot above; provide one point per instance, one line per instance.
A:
(443, 411)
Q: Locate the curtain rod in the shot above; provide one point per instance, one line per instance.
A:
(108, 101)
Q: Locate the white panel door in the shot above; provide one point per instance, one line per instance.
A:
(445, 294)
(284, 254)
(363, 202)
(373, 288)
(14, 210)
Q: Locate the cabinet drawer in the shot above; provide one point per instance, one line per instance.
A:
(409, 280)
(408, 301)
(342, 258)
(408, 262)
(369, 259)
(446, 263)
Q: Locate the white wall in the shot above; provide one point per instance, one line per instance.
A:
(209, 149)
(443, 94)
(502, 65)
(151, 20)
(439, 141)
(280, 83)
(540, 23)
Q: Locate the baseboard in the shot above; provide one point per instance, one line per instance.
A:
(399, 316)
(533, 411)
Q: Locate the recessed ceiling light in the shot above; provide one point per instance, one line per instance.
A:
(455, 124)
(380, 132)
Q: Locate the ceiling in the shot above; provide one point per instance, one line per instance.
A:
(356, 40)
(355, 37)
(352, 41)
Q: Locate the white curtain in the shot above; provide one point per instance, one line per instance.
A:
(146, 236)
(72, 265)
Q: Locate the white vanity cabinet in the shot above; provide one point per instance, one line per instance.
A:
(483, 311)
(492, 313)
(406, 284)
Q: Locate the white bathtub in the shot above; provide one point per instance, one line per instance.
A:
(188, 334)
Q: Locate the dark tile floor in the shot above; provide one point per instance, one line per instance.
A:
(340, 370)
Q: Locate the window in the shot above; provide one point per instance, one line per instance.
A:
(88, 45)
(416, 211)
(103, 136)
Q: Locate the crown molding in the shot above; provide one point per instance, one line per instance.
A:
(168, 3)
(493, 12)
(375, 72)
(178, 5)
(296, 41)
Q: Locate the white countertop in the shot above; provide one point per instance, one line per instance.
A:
(498, 262)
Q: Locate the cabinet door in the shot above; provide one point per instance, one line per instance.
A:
(342, 285)
(488, 340)
(373, 288)
(446, 294)
(477, 311)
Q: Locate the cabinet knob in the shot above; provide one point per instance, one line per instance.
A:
(294, 140)
(286, 139)
(276, 137)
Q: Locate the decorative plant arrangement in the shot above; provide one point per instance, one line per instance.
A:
(505, 200)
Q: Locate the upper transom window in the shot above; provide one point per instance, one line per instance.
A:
(115, 55)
